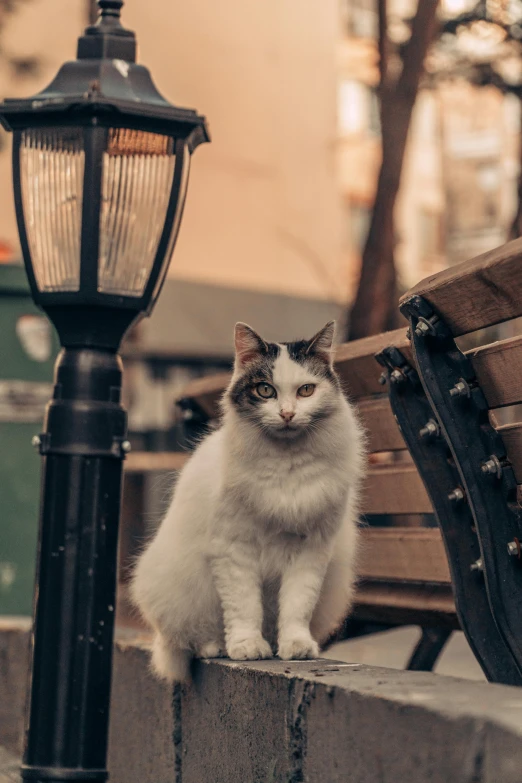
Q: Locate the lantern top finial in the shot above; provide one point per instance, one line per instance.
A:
(108, 39)
(105, 86)
(110, 8)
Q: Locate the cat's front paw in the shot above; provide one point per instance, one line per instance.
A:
(298, 647)
(250, 649)
(210, 650)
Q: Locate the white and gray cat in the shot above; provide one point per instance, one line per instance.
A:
(257, 551)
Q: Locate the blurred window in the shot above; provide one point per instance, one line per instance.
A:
(358, 109)
(488, 179)
(431, 233)
(360, 18)
(353, 109)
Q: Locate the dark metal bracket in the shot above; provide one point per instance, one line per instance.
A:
(421, 430)
(488, 513)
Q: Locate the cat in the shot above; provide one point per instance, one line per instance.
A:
(258, 549)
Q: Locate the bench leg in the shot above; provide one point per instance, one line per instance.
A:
(428, 649)
(352, 628)
(439, 471)
(486, 481)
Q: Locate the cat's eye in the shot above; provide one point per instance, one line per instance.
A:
(306, 390)
(265, 391)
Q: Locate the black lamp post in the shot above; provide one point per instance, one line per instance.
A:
(101, 164)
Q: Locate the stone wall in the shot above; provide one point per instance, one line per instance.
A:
(278, 722)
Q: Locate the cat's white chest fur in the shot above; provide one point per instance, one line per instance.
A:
(291, 489)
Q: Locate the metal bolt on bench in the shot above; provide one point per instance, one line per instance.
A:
(492, 466)
(456, 495)
(461, 389)
(396, 376)
(430, 430)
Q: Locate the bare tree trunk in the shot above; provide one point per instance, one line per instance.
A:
(374, 309)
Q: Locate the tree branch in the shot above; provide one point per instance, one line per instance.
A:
(423, 29)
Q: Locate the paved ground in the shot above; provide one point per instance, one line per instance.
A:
(393, 648)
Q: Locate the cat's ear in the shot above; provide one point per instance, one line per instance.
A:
(321, 344)
(249, 345)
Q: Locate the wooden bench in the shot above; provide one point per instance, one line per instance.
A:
(465, 464)
(404, 573)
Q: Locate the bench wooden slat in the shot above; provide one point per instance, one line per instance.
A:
(481, 292)
(512, 437)
(356, 365)
(154, 461)
(380, 424)
(207, 392)
(410, 554)
(406, 604)
(499, 371)
(395, 489)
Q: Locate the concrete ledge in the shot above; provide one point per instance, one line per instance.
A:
(310, 722)
(327, 722)
(142, 729)
(14, 678)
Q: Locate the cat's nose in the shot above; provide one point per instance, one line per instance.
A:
(287, 415)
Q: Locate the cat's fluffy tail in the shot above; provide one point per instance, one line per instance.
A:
(169, 662)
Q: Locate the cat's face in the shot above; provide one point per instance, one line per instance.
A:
(285, 389)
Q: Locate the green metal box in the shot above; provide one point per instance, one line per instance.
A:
(28, 347)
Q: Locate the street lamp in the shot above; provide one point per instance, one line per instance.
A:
(100, 171)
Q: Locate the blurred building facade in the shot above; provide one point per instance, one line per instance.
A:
(480, 165)
(280, 202)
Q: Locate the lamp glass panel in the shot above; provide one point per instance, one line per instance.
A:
(138, 170)
(177, 220)
(51, 179)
